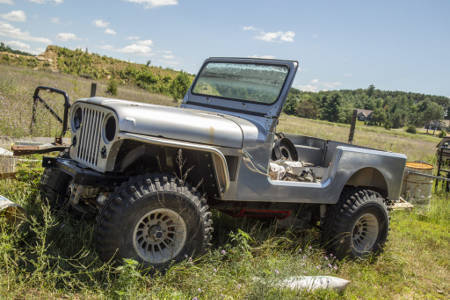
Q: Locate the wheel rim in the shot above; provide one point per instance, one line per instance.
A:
(159, 235)
(365, 232)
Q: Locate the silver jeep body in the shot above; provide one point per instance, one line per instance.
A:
(236, 140)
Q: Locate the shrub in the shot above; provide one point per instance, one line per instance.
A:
(411, 129)
(442, 134)
(112, 87)
(180, 85)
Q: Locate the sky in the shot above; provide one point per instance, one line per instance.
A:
(395, 45)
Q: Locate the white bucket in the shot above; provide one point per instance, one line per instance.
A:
(416, 188)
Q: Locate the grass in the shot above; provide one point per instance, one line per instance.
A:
(17, 86)
(415, 146)
(52, 256)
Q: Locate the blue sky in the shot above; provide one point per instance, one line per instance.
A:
(395, 45)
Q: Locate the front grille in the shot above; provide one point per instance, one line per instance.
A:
(90, 135)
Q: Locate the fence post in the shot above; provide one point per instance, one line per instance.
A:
(352, 127)
(93, 89)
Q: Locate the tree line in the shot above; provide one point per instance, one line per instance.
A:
(391, 109)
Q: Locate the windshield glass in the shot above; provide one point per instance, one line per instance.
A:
(241, 81)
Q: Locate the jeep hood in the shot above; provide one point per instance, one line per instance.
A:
(173, 122)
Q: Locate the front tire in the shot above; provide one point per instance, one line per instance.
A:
(53, 187)
(155, 220)
(357, 225)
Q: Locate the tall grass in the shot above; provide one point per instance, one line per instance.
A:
(52, 256)
(17, 86)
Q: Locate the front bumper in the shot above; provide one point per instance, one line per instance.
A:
(80, 175)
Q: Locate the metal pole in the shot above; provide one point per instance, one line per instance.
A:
(352, 127)
(93, 89)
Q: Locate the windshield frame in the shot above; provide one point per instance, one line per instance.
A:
(262, 63)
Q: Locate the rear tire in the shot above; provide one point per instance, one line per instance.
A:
(357, 225)
(154, 220)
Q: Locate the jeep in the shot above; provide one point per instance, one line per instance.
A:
(152, 174)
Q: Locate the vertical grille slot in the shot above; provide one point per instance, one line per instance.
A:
(90, 136)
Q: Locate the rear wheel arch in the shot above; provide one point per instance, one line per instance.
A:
(369, 177)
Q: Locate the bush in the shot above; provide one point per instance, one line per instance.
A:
(411, 129)
(180, 85)
(112, 87)
(442, 134)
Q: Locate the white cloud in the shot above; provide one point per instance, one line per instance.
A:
(263, 56)
(136, 49)
(18, 45)
(110, 31)
(106, 47)
(133, 38)
(55, 20)
(45, 1)
(331, 85)
(24, 47)
(276, 36)
(15, 16)
(308, 88)
(66, 36)
(141, 47)
(10, 2)
(154, 3)
(10, 31)
(145, 42)
(248, 28)
(168, 56)
(316, 85)
(279, 36)
(100, 23)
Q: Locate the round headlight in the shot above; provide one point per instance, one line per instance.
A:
(110, 128)
(77, 118)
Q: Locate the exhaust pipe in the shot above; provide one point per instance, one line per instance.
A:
(13, 212)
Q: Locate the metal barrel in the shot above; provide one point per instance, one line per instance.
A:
(13, 212)
(416, 188)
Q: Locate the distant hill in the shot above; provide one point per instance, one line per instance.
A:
(6, 48)
(391, 109)
(98, 67)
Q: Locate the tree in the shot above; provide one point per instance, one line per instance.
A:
(112, 87)
(433, 112)
(180, 85)
(378, 117)
(370, 90)
(149, 62)
(332, 108)
(290, 104)
(307, 108)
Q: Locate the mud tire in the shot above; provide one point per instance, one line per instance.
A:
(342, 219)
(53, 187)
(122, 213)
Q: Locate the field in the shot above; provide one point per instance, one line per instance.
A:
(17, 86)
(52, 256)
